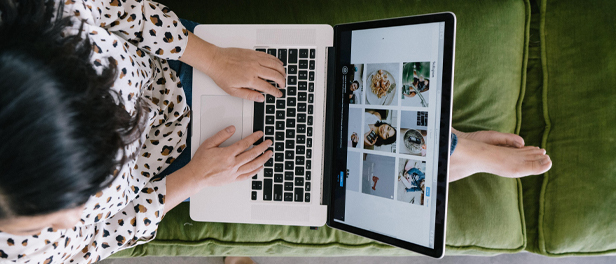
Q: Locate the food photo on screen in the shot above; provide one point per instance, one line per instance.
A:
(415, 84)
(413, 132)
(381, 83)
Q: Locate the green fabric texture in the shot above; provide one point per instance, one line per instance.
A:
(485, 211)
(578, 202)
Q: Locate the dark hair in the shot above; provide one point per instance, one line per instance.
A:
(63, 128)
(390, 140)
(355, 81)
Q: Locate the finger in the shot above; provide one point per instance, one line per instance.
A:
(248, 94)
(246, 176)
(269, 74)
(219, 138)
(263, 86)
(240, 146)
(256, 163)
(271, 61)
(254, 152)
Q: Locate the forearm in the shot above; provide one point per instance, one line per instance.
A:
(180, 185)
(199, 53)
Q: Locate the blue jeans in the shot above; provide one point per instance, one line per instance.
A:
(185, 72)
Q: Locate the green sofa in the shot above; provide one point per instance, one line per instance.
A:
(545, 69)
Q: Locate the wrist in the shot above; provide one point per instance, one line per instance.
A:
(200, 54)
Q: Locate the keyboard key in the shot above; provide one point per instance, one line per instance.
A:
(313, 53)
(280, 115)
(269, 130)
(279, 125)
(279, 146)
(301, 128)
(310, 109)
(311, 65)
(288, 186)
(308, 175)
(290, 133)
(261, 50)
(309, 142)
(299, 160)
(311, 87)
(302, 97)
(279, 136)
(311, 98)
(292, 69)
(310, 120)
(278, 167)
(301, 107)
(268, 172)
(270, 109)
(301, 139)
(308, 164)
(291, 122)
(291, 80)
(278, 177)
(311, 76)
(253, 196)
(290, 144)
(269, 163)
(280, 104)
(288, 197)
(289, 154)
(302, 86)
(270, 99)
(271, 52)
(267, 189)
(303, 64)
(301, 118)
(299, 194)
(256, 185)
(254, 177)
(299, 171)
(288, 165)
(299, 181)
(307, 186)
(300, 150)
(282, 56)
(291, 90)
(310, 131)
(278, 192)
(303, 53)
(269, 119)
(291, 101)
(309, 153)
(292, 56)
(279, 157)
(288, 176)
(307, 197)
(291, 112)
(303, 75)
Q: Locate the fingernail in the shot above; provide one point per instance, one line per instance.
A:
(259, 99)
(230, 129)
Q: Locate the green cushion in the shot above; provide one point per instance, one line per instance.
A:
(485, 211)
(577, 203)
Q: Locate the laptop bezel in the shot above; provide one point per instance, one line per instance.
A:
(335, 97)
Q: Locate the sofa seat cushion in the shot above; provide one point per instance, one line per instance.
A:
(578, 201)
(485, 211)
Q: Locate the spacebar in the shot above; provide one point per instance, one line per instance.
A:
(257, 124)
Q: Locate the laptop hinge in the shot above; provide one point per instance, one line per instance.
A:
(328, 141)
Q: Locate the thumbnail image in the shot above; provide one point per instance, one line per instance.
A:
(353, 166)
(354, 128)
(378, 176)
(381, 83)
(379, 132)
(412, 181)
(414, 132)
(356, 84)
(415, 84)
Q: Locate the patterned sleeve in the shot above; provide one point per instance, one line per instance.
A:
(148, 25)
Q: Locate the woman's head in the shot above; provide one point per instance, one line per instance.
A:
(386, 134)
(64, 131)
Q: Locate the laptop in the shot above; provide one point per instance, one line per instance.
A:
(361, 135)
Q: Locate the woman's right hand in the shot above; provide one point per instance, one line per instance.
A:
(213, 165)
(368, 142)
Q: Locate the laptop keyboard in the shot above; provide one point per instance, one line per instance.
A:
(287, 121)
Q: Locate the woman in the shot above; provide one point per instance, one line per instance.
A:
(378, 133)
(92, 114)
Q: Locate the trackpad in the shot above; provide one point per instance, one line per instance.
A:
(219, 112)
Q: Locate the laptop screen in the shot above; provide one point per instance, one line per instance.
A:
(392, 86)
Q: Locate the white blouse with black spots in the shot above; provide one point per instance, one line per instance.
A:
(140, 36)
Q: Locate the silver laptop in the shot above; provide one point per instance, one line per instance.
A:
(334, 160)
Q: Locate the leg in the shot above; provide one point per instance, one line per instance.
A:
(238, 260)
(472, 157)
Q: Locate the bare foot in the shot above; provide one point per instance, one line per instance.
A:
(239, 260)
(472, 157)
(492, 138)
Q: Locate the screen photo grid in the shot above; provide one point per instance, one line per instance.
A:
(390, 135)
